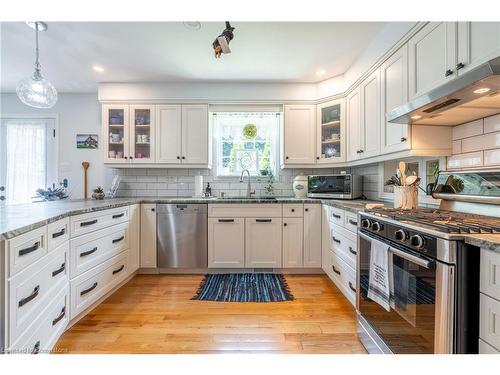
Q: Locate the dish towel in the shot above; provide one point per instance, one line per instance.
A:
(379, 287)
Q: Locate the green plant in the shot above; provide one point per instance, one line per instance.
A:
(99, 190)
(270, 181)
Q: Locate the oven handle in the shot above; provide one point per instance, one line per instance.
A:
(409, 257)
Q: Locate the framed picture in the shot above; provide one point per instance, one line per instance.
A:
(87, 141)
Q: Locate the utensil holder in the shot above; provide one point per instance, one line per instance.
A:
(405, 197)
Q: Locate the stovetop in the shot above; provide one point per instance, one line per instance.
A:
(443, 221)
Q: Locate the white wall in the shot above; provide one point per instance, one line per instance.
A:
(78, 113)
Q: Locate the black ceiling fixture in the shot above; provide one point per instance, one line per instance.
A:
(221, 43)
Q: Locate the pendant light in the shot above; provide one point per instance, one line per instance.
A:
(36, 91)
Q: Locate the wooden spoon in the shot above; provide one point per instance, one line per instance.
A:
(402, 168)
(85, 165)
(410, 180)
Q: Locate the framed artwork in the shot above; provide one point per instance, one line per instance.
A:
(87, 141)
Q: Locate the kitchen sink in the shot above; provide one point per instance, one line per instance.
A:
(249, 198)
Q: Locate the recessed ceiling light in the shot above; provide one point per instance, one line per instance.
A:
(320, 72)
(416, 117)
(482, 90)
(98, 68)
(192, 25)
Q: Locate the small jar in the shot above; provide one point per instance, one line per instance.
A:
(300, 186)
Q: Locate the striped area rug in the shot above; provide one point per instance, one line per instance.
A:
(244, 287)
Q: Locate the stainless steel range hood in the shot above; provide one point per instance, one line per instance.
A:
(473, 95)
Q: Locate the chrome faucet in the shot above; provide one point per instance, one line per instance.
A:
(250, 192)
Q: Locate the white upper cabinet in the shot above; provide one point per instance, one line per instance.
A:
(432, 57)
(299, 134)
(393, 93)
(195, 134)
(478, 42)
(354, 124)
(168, 131)
(330, 133)
(370, 120)
(142, 133)
(116, 133)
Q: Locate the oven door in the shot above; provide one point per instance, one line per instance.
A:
(338, 186)
(417, 321)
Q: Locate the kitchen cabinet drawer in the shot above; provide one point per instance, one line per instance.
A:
(93, 221)
(94, 284)
(30, 290)
(490, 273)
(26, 249)
(263, 242)
(351, 221)
(47, 328)
(57, 233)
(489, 320)
(485, 348)
(293, 210)
(348, 278)
(244, 210)
(226, 243)
(92, 249)
(337, 216)
(344, 245)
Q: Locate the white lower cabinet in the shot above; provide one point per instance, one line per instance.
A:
(293, 242)
(226, 242)
(134, 231)
(489, 302)
(312, 235)
(263, 242)
(148, 236)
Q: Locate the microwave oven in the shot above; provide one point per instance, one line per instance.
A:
(335, 186)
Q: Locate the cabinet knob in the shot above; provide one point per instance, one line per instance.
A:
(131, 157)
(284, 224)
(178, 157)
(403, 139)
(126, 157)
(286, 157)
(183, 157)
(317, 157)
(448, 73)
(153, 210)
(460, 65)
(306, 209)
(293, 209)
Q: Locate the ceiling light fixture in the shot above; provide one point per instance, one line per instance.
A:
(482, 90)
(320, 72)
(98, 68)
(416, 117)
(36, 91)
(221, 43)
(192, 25)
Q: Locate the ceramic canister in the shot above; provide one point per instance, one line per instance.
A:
(300, 186)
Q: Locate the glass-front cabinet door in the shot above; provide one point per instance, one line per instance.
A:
(142, 121)
(331, 132)
(115, 120)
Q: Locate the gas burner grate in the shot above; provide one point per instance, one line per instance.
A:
(444, 221)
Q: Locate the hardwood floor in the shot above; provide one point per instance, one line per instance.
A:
(154, 314)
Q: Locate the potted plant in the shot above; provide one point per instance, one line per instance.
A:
(98, 193)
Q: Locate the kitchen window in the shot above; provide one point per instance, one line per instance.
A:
(28, 157)
(246, 140)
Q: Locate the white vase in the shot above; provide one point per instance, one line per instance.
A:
(300, 186)
(405, 197)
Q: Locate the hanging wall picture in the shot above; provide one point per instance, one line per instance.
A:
(87, 141)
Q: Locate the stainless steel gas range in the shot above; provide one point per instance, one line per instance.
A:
(434, 274)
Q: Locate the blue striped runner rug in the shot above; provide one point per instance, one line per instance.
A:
(244, 287)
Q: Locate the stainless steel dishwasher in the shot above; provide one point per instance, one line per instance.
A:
(182, 235)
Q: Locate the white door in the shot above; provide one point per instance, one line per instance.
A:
(312, 235)
(432, 57)
(354, 124)
(168, 134)
(370, 104)
(142, 133)
(293, 242)
(28, 157)
(134, 231)
(226, 243)
(393, 93)
(148, 236)
(299, 134)
(263, 242)
(194, 134)
(116, 133)
(330, 132)
(478, 42)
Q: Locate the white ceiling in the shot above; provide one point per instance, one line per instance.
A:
(169, 52)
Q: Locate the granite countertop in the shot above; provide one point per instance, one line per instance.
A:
(484, 241)
(19, 219)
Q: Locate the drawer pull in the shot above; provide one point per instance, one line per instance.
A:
(59, 234)
(335, 270)
(59, 270)
(117, 216)
(352, 222)
(28, 250)
(336, 216)
(335, 239)
(36, 348)
(119, 269)
(61, 315)
(31, 297)
(352, 251)
(83, 292)
(118, 239)
(87, 223)
(85, 253)
(352, 287)
(226, 220)
(263, 220)
(293, 209)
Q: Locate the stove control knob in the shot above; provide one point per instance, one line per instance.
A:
(417, 241)
(400, 235)
(366, 223)
(377, 227)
